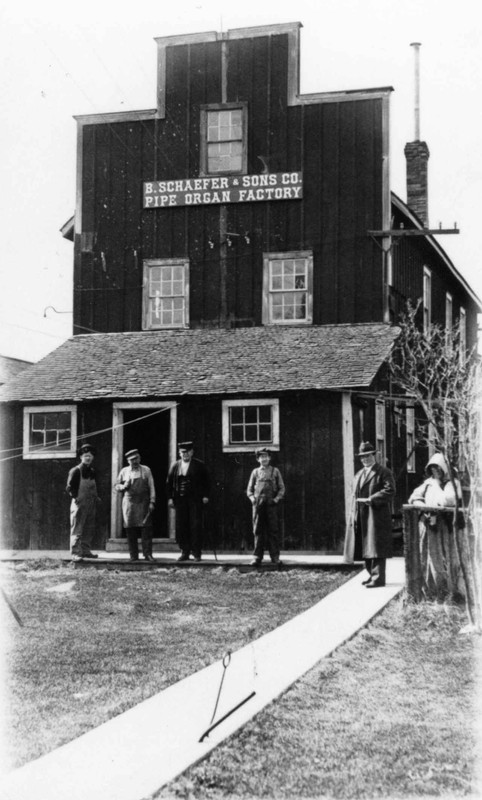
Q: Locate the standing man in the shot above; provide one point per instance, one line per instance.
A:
(265, 490)
(82, 488)
(188, 489)
(136, 485)
(369, 530)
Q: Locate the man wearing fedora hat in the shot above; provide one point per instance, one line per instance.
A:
(369, 529)
(136, 485)
(188, 489)
(82, 488)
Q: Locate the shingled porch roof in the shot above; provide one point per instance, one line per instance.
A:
(151, 364)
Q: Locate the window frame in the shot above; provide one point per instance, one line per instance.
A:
(150, 263)
(462, 336)
(427, 299)
(449, 315)
(230, 447)
(268, 259)
(204, 171)
(29, 454)
(380, 430)
(410, 438)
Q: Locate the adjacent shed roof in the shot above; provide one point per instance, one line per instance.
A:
(153, 364)
(10, 367)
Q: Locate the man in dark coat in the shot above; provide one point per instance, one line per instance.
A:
(188, 489)
(369, 530)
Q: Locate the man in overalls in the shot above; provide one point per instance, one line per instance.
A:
(136, 485)
(265, 490)
(82, 488)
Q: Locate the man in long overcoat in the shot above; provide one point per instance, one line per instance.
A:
(188, 489)
(369, 529)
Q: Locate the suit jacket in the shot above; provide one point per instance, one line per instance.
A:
(198, 476)
(373, 523)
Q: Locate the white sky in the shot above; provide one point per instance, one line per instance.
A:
(61, 59)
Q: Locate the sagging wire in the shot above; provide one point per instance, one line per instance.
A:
(85, 435)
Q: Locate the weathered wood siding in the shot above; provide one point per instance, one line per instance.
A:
(35, 505)
(337, 146)
(310, 460)
(410, 256)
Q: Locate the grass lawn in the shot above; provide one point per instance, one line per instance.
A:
(97, 642)
(390, 715)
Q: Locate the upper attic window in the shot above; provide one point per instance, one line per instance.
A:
(223, 139)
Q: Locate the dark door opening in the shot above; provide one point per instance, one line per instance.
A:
(151, 437)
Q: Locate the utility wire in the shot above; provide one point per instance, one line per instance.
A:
(89, 435)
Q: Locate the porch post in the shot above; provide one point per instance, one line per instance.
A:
(348, 450)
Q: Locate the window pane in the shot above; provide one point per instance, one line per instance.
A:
(236, 414)
(251, 432)
(265, 413)
(265, 433)
(251, 413)
(237, 434)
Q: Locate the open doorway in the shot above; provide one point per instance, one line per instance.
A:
(151, 428)
(150, 435)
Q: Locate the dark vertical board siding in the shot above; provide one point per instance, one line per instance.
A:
(309, 460)
(278, 111)
(293, 123)
(132, 258)
(349, 280)
(312, 189)
(326, 279)
(368, 260)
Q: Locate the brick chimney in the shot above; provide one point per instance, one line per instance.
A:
(417, 155)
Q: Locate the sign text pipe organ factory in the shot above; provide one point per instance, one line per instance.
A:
(223, 189)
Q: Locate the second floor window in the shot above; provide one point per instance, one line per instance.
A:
(463, 336)
(166, 294)
(288, 288)
(410, 424)
(223, 140)
(380, 430)
(427, 299)
(449, 315)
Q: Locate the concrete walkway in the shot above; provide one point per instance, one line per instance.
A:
(137, 752)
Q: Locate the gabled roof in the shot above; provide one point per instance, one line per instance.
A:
(204, 361)
(438, 249)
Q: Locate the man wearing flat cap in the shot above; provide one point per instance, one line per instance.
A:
(136, 484)
(188, 489)
(369, 529)
(82, 488)
(265, 490)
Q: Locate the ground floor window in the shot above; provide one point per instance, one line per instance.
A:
(248, 424)
(49, 431)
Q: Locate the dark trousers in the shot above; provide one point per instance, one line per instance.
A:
(189, 525)
(376, 569)
(145, 534)
(265, 530)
